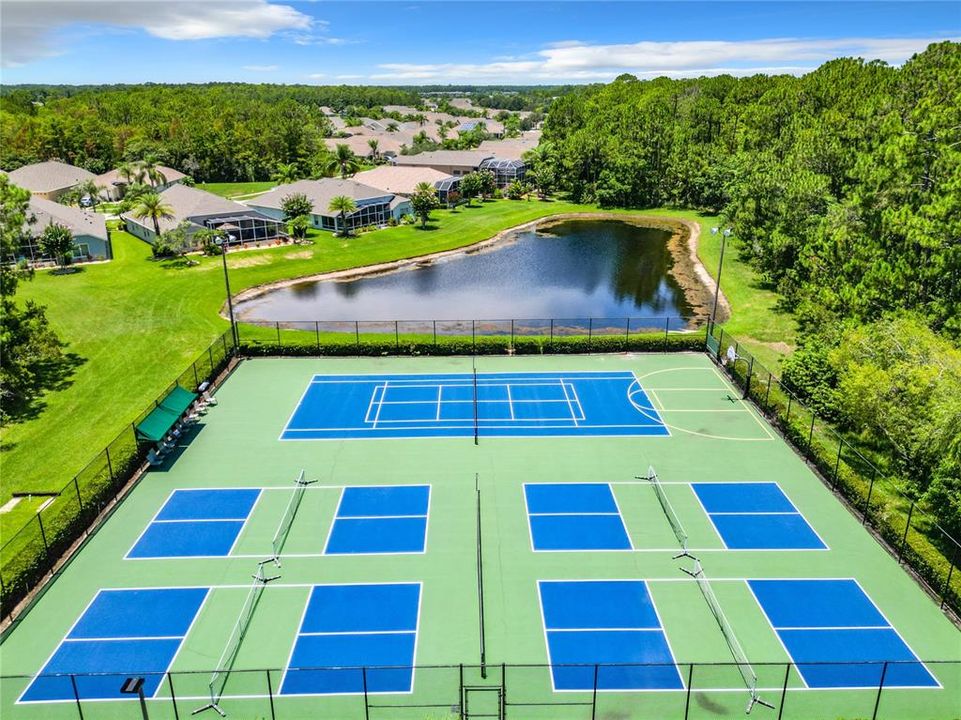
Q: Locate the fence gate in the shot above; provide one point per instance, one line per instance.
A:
(483, 702)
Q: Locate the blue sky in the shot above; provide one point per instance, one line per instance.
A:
(413, 42)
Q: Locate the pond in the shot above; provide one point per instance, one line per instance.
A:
(572, 269)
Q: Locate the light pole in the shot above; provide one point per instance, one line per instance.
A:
(725, 234)
(223, 240)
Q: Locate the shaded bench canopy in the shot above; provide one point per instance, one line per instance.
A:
(162, 418)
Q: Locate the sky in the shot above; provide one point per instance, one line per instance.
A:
(411, 42)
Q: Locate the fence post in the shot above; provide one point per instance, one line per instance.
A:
(196, 377)
(277, 324)
(552, 334)
(667, 327)
(811, 431)
(790, 399)
(867, 503)
(837, 463)
(473, 337)
(270, 694)
(594, 695)
(43, 536)
(904, 539)
(503, 690)
(460, 696)
(590, 332)
(787, 676)
(76, 695)
(747, 380)
(173, 695)
(877, 701)
(210, 354)
(947, 580)
(317, 334)
(397, 335)
(357, 334)
(720, 342)
(687, 699)
(512, 332)
(366, 705)
(435, 333)
(627, 336)
(767, 394)
(76, 487)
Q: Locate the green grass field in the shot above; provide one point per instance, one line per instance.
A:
(238, 189)
(713, 439)
(153, 318)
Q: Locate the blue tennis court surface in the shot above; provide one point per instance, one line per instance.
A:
(575, 516)
(605, 621)
(507, 405)
(196, 523)
(822, 622)
(380, 519)
(126, 632)
(352, 627)
(756, 516)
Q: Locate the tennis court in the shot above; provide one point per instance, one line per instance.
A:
(627, 538)
(495, 404)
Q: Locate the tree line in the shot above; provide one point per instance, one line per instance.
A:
(843, 188)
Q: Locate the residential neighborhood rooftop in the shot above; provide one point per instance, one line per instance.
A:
(50, 175)
(444, 157)
(319, 192)
(112, 177)
(402, 180)
(80, 222)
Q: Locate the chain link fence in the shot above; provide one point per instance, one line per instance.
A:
(34, 550)
(907, 525)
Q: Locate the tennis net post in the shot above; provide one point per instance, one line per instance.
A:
(679, 532)
(283, 529)
(737, 651)
(480, 582)
(476, 428)
(218, 679)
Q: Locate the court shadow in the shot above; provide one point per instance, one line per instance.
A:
(183, 442)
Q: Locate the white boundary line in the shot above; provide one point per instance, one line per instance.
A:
(337, 516)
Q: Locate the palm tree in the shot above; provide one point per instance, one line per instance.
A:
(88, 188)
(343, 205)
(151, 205)
(150, 169)
(286, 173)
(343, 160)
(373, 144)
(128, 173)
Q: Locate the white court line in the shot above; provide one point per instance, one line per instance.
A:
(510, 401)
(440, 399)
(383, 396)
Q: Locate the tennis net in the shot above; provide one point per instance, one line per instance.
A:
(740, 657)
(218, 680)
(679, 532)
(283, 530)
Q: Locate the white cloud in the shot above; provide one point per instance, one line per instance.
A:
(349, 77)
(578, 61)
(29, 27)
(317, 76)
(261, 68)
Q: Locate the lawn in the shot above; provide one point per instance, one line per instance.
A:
(237, 189)
(136, 323)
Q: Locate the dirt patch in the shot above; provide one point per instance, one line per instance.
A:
(250, 262)
(302, 255)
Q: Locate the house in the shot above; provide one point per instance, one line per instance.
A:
(403, 180)
(492, 127)
(461, 162)
(374, 206)
(512, 149)
(49, 180)
(90, 237)
(114, 185)
(388, 144)
(201, 209)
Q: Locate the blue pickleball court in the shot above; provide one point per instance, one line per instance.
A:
(574, 517)
(380, 519)
(453, 405)
(121, 633)
(836, 635)
(355, 639)
(756, 516)
(612, 623)
(196, 523)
